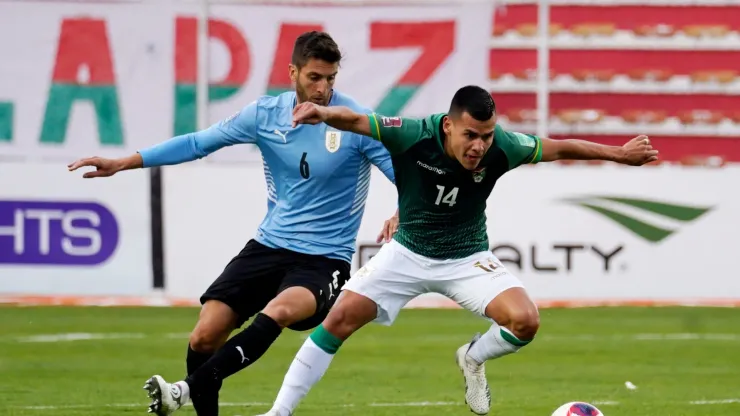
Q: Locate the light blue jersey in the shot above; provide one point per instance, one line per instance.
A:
(317, 177)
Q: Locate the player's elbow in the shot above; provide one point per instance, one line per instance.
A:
(194, 149)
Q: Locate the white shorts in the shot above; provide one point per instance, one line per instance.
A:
(396, 275)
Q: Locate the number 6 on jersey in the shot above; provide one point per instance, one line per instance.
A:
(448, 199)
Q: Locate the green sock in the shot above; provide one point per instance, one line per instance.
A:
(325, 340)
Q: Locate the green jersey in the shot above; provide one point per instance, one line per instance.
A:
(442, 204)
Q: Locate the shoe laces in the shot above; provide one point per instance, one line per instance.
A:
(478, 371)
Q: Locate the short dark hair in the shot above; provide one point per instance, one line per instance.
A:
(317, 45)
(473, 100)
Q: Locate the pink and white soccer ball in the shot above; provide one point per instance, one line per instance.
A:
(577, 409)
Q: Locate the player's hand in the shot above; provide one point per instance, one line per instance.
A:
(639, 151)
(103, 167)
(389, 229)
(308, 113)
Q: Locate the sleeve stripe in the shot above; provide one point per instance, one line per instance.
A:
(376, 130)
(537, 155)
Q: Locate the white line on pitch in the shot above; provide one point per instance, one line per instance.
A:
(78, 336)
(723, 401)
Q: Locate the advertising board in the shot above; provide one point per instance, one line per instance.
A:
(574, 235)
(63, 235)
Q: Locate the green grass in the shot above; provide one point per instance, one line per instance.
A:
(580, 354)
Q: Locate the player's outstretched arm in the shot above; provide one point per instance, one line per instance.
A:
(107, 167)
(341, 118)
(239, 128)
(636, 152)
(174, 151)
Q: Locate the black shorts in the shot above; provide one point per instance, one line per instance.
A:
(258, 273)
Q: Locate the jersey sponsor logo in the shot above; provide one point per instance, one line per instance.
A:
(333, 140)
(436, 170)
(391, 121)
(281, 134)
(479, 175)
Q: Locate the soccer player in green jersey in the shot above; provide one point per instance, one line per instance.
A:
(446, 166)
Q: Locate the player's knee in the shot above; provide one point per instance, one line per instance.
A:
(525, 322)
(285, 315)
(349, 315)
(291, 305)
(215, 323)
(339, 323)
(206, 340)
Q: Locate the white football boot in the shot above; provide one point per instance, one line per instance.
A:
(477, 393)
(166, 397)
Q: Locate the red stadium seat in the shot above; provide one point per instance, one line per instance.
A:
(653, 75)
(574, 116)
(499, 29)
(722, 76)
(700, 31)
(700, 116)
(520, 115)
(603, 75)
(531, 74)
(659, 30)
(644, 116)
(703, 160)
(530, 29)
(594, 29)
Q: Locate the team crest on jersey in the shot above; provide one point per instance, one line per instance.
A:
(333, 140)
(479, 174)
(391, 121)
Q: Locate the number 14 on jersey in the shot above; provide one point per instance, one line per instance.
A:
(450, 198)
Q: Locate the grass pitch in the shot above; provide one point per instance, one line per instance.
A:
(94, 361)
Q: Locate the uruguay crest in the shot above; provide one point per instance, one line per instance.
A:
(333, 140)
(479, 174)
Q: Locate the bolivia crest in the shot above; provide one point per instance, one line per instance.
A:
(479, 174)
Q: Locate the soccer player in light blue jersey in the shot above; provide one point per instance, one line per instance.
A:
(290, 274)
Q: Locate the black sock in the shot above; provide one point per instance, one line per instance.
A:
(196, 359)
(206, 404)
(239, 352)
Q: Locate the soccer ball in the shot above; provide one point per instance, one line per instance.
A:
(577, 409)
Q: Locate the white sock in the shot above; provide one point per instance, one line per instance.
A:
(309, 365)
(184, 391)
(495, 343)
